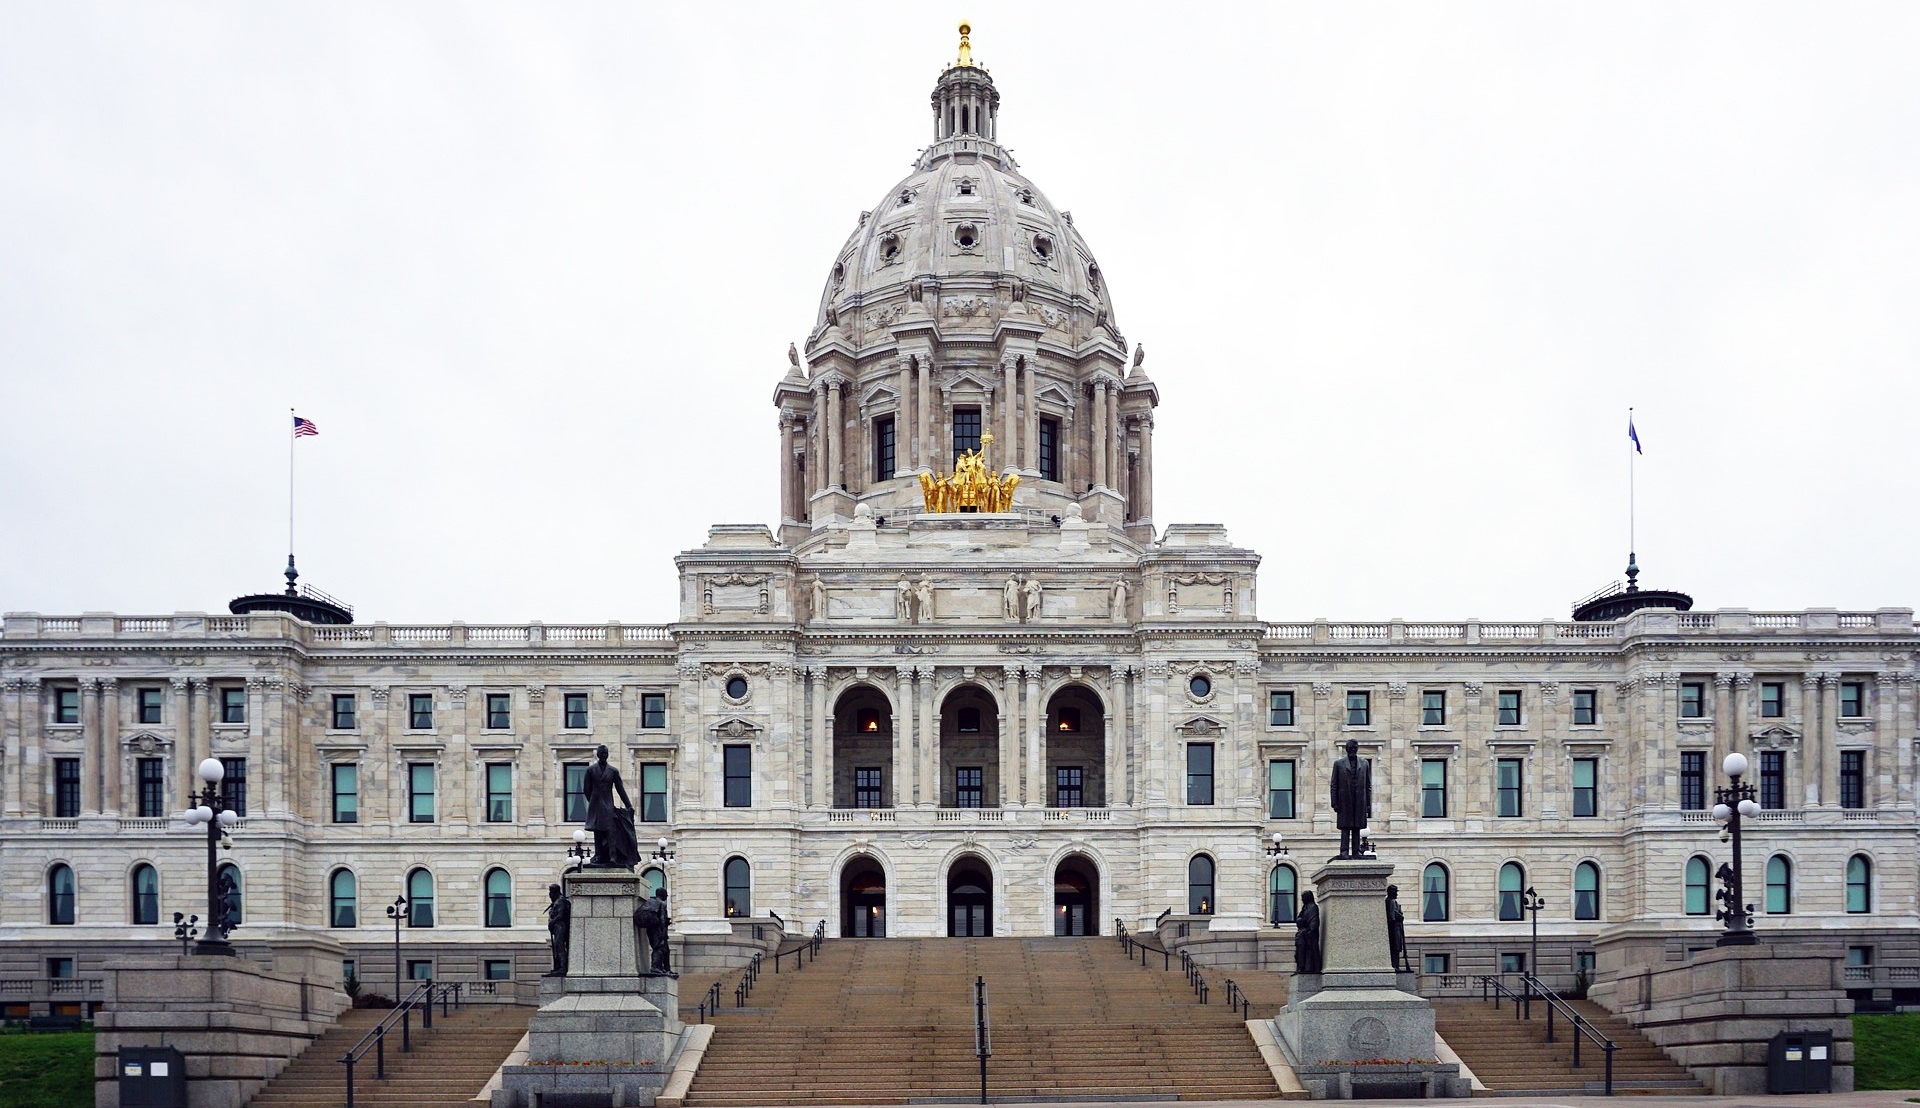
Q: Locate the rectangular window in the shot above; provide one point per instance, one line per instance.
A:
(66, 788)
(1436, 963)
(1433, 788)
(1509, 780)
(233, 705)
(420, 792)
(1280, 708)
(1693, 700)
(1280, 789)
(153, 788)
(348, 969)
(1509, 707)
(499, 711)
(1513, 962)
(1773, 699)
(66, 705)
(1586, 786)
(420, 969)
(1433, 708)
(967, 787)
(233, 785)
(883, 448)
(498, 969)
(499, 792)
(149, 705)
(868, 790)
(1856, 956)
(62, 968)
(1586, 708)
(738, 768)
(966, 430)
(420, 711)
(343, 706)
(573, 786)
(653, 711)
(653, 792)
(1067, 787)
(1049, 450)
(346, 793)
(1199, 773)
(1853, 779)
(576, 711)
(1585, 961)
(1359, 709)
(1693, 780)
(1773, 779)
(1853, 702)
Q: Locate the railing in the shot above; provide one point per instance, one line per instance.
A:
(1582, 1029)
(1130, 944)
(1237, 998)
(1197, 982)
(808, 950)
(420, 998)
(710, 1002)
(1882, 976)
(748, 978)
(1162, 917)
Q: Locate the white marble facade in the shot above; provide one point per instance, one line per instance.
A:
(863, 634)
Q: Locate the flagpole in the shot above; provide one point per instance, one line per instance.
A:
(291, 439)
(1633, 447)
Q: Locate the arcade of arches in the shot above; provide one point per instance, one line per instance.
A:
(969, 900)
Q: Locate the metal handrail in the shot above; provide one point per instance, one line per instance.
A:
(1162, 917)
(376, 1039)
(1490, 983)
(1130, 944)
(1581, 1026)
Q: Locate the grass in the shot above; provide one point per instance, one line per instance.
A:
(1886, 1052)
(47, 1070)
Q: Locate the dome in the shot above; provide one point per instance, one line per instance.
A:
(965, 236)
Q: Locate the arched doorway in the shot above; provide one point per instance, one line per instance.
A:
(1076, 896)
(863, 899)
(863, 769)
(969, 749)
(1076, 741)
(970, 899)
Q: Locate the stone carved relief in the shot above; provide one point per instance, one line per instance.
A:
(880, 319)
(963, 307)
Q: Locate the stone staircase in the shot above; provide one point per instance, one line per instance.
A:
(446, 1067)
(886, 1021)
(1513, 1057)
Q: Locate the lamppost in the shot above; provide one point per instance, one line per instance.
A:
(1531, 901)
(396, 912)
(1732, 801)
(579, 852)
(663, 852)
(185, 927)
(202, 809)
(1275, 851)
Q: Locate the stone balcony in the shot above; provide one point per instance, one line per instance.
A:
(1728, 621)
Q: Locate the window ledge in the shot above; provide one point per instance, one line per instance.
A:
(229, 726)
(1358, 727)
(343, 732)
(1436, 727)
(428, 731)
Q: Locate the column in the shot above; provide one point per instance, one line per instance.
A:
(182, 718)
(12, 724)
(906, 441)
(1119, 739)
(111, 802)
(1812, 741)
(1903, 724)
(540, 757)
(197, 739)
(837, 433)
(1030, 442)
(1009, 745)
(1143, 488)
(1116, 455)
(788, 509)
(1829, 757)
(1879, 768)
(1097, 434)
(1036, 793)
(926, 794)
(91, 774)
(1723, 737)
(822, 738)
(905, 723)
(923, 441)
(819, 444)
(1737, 738)
(1010, 413)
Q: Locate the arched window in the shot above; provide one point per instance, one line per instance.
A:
(146, 894)
(1859, 884)
(343, 899)
(60, 892)
(1200, 885)
(420, 898)
(1586, 891)
(1512, 880)
(1434, 907)
(499, 898)
(739, 879)
(1696, 901)
(654, 878)
(1779, 885)
(237, 898)
(1281, 884)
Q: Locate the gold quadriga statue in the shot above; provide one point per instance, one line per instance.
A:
(971, 487)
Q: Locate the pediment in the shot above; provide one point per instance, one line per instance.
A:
(1053, 394)
(737, 728)
(1202, 727)
(1775, 736)
(967, 379)
(879, 394)
(146, 742)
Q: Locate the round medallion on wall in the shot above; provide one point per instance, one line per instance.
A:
(1368, 1038)
(1200, 688)
(736, 688)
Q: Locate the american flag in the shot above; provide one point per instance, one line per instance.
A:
(303, 427)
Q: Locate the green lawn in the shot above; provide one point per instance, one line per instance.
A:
(47, 1070)
(1886, 1052)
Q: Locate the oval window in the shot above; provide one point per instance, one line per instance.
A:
(966, 236)
(1042, 247)
(1200, 685)
(737, 688)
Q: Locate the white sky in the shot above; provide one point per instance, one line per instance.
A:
(533, 270)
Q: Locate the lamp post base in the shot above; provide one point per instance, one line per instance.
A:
(1735, 938)
(219, 948)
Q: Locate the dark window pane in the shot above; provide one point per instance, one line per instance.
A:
(499, 711)
(1200, 885)
(739, 887)
(1510, 708)
(966, 430)
(967, 787)
(1586, 774)
(574, 785)
(343, 712)
(1280, 709)
(867, 788)
(576, 711)
(739, 776)
(653, 710)
(233, 785)
(149, 705)
(1693, 780)
(1853, 778)
(1049, 450)
(883, 449)
(60, 895)
(499, 792)
(153, 788)
(1773, 779)
(1509, 771)
(66, 787)
(420, 711)
(653, 792)
(1585, 709)
(1199, 773)
(1433, 788)
(66, 705)
(420, 792)
(1433, 709)
(233, 705)
(342, 895)
(1359, 709)
(1066, 787)
(1280, 798)
(1693, 700)
(1773, 700)
(346, 794)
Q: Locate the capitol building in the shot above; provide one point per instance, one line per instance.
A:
(973, 681)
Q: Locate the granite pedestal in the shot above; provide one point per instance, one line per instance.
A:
(606, 1030)
(1356, 1029)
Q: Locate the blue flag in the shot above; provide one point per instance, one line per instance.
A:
(1634, 435)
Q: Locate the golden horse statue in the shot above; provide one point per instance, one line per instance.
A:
(971, 487)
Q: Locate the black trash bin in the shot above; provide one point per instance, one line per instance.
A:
(152, 1077)
(1800, 1062)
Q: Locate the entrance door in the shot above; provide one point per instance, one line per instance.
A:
(863, 903)
(868, 915)
(1075, 885)
(969, 900)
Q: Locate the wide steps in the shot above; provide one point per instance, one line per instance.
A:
(1512, 1056)
(885, 1021)
(446, 1067)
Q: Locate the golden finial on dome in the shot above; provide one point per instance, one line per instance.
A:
(966, 48)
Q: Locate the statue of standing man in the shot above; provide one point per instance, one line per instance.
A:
(1352, 799)
(650, 920)
(1396, 930)
(614, 842)
(559, 929)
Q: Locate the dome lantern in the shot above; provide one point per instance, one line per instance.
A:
(965, 103)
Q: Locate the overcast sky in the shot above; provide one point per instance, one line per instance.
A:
(533, 270)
